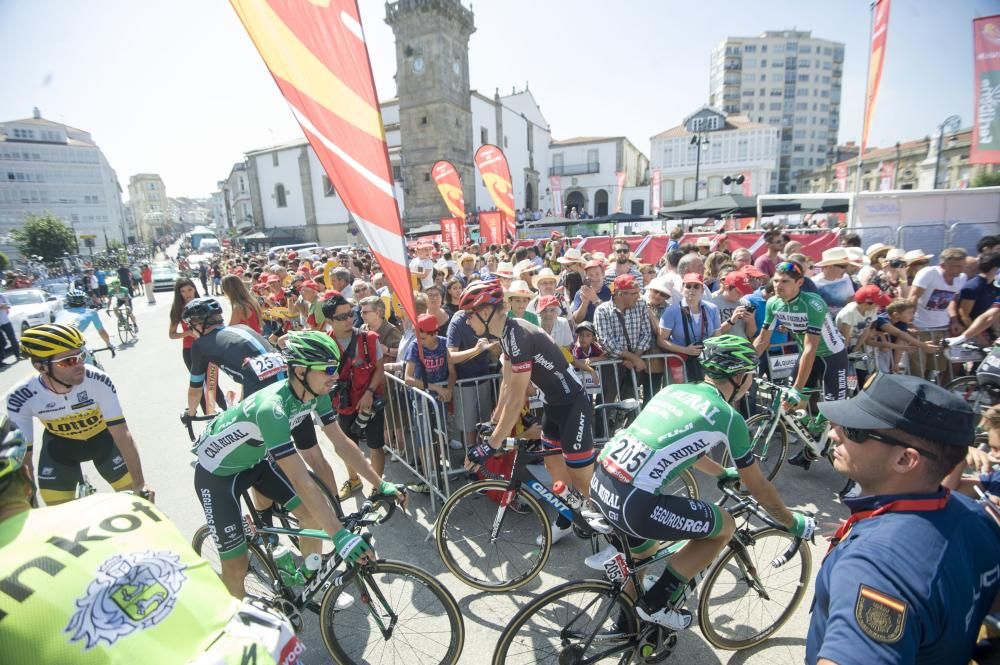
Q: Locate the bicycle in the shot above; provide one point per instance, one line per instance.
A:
(589, 620)
(128, 332)
(487, 532)
(980, 388)
(381, 611)
(91, 357)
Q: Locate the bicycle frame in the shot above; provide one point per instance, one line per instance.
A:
(791, 423)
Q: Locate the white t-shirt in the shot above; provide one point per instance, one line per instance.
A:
(561, 333)
(835, 293)
(418, 265)
(852, 317)
(932, 306)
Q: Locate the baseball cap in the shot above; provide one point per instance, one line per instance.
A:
(740, 281)
(309, 284)
(593, 264)
(910, 404)
(545, 302)
(751, 271)
(427, 323)
(624, 282)
(693, 277)
(271, 279)
(872, 294)
(587, 326)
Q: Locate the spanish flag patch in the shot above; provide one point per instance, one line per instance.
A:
(882, 617)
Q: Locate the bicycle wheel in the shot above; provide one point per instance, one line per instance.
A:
(392, 612)
(746, 598)
(770, 452)
(555, 627)
(261, 573)
(967, 387)
(683, 485)
(123, 331)
(510, 560)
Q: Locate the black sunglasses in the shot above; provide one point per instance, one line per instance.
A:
(623, 250)
(341, 317)
(859, 435)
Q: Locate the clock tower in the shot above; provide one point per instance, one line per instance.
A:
(435, 113)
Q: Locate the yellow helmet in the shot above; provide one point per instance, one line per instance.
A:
(48, 339)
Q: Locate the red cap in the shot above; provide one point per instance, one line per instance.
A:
(427, 323)
(330, 293)
(293, 255)
(623, 282)
(545, 302)
(271, 279)
(751, 271)
(423, 242)
(593, 264)
(309, 284)
(871, 294)
(740, 281)
(692, 278)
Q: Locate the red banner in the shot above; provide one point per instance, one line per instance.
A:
(880, 29)
(496, 176)
(620, 180)
(450, 187)
(841, 175)
(491, 227)
(887, 174)
(656, 201)
(747, 184)
(985, 147)
(555, 185)
(453, 232)
(318, 57)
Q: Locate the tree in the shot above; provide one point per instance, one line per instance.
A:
(46, 236)
(4, 261)
(987, 179)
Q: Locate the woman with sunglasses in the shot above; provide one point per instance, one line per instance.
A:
(83, 418)
(184, 292)
(686, 325)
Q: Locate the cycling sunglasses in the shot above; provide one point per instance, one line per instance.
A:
(789, 268)
(71, 361)
(329, 370)
(859, 435)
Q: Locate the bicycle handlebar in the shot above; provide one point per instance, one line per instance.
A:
(106, 348)
(751, 503)
(187, 421)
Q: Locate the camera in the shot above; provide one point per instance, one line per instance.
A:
(897, 263)
(750, 307)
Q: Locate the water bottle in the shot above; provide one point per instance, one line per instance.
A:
(312, 563)
(284, 560)
(817, 425)
(572, 499)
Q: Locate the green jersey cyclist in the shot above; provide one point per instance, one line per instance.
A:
(672, 433)
(250, 445)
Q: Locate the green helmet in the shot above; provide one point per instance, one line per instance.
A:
(728, 355)
(310, 347)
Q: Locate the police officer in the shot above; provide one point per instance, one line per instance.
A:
(910, 575)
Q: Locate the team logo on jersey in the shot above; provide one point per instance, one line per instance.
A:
(880, 616)
(130, 592)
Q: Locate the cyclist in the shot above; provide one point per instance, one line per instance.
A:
(122, 299)
(531, 357)
(676, 428)
(252, 362)
(78, 405)
(823, 352)
(109, 579)
(250, 445)
(78, 314)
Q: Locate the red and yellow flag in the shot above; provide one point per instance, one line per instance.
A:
(453, 232)
(496, 176)
(317, 54)
(880, 28)
(450, 187)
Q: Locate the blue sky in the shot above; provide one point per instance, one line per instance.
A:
(177, 88)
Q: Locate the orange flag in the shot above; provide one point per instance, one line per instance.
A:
(880, 28)
(450, 187)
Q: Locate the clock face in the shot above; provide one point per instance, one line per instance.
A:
(417, 64)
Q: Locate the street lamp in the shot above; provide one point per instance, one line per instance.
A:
(737, 179)
(952, 124)
(698, 140)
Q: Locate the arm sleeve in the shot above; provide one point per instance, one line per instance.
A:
(924, 277)
(274, 426)
(669, 318)
(199, 365)
(324, 409)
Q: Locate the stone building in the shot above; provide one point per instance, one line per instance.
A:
(147, 197)
(587, 167)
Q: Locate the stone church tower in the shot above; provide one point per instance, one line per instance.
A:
(435, 114)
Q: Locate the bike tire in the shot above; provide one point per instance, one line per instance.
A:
(770, 453)
(462, 535)
(787, 582)
(434, 635)
(684, 485)
(261, 573)
(554, 617)
(967, 387)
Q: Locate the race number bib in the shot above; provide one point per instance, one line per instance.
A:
(626, 457)
(267, 365)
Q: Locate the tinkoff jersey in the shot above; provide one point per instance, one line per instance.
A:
(805, 314)
(679, 424)
(81, 414)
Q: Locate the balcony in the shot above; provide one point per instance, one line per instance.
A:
(576, 169)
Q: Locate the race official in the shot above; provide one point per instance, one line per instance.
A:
(910, 575)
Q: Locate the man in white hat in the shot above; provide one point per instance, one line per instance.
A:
(545, 282)
(519, 294)
(422, 266)
(934, 287)
(524, 269)
(505, 273)
(834, 285)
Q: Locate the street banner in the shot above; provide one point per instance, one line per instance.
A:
(985, 147)
(747, 184)
(655, 201)
(317, 54)
(493, 168)
(453, 232)
(555, 184)
(887, 172)
(450, 187)
(620, 180)
(841, 175)
(880, 29)
(491, 227)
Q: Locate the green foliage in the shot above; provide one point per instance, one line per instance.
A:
(114, 246)
(46, 236)
(987, 179)
(4, 261)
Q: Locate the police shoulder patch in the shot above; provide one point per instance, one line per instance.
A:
(882, 617)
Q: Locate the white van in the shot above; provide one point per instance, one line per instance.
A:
(304, 249)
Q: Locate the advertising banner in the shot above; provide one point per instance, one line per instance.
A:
(493, 168)
(747, 184)
(841, 178)
(453, 232)
(887, 173)
(450, 187)
(620, 181)
(555, 184)
(986, 126)
(491, 227)
(880, 29)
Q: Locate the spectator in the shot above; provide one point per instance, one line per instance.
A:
(519, 294)
(203, 276)
(147, 284)
(340, 280)
(687, 323)
(834, 285)
(624, 330)
(591, 294)
(471, 356)
(435, 307)
(856, 324)
(549, 320)
(216, 278)
(422, 267)
(586, 346)
(623, 264)
(741, 258)
(572, 283)
(545, 283)
(774, 241)
(934, 287)
(125, 278)
(715, 263)
(735, 313)
(876, 255)
(467, 266)
(896, 340)
(8, 340)
(245, 307)
(452, 294)
(648, 272)
(979, 293)
(676, 234)
(434, 372)
(524, 270)
(310, 306)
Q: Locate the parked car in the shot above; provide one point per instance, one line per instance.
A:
(32, 307)
(57, 288)
(164, 276)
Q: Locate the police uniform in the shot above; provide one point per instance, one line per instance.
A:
(908, 578)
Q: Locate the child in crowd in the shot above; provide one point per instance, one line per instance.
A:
(855, 324)
(898, 337)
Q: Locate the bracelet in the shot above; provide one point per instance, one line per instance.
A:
(730, 321)
(369, 389)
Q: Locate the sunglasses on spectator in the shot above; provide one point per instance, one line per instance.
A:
(696, 287)
(329, 370)
(789, 268)
(341, 317)
(859, 436)
(897, 263)
(70, 361)
(367, 311)
(622, 250)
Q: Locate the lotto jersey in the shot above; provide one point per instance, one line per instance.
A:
(244, 434)
(805, 314)
(679, 424)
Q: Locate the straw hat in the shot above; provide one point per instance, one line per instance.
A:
(915, 255)
(522, 267)
(835, 256)
(504, 269)
(543, 274)
(601, 257)
(857, 256)
(519, 289)
(572, 255)
(876, 248)
(895, 253)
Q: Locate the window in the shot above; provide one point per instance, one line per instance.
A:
(505, 141)
(484, 135)
(763, 63)
(748, 93)
(777, 92)
(274, 158)
(827, 66)
(279, 196)
(802, 106)
(799, 133)
(750, 48)
(427, 176)
(798, 148)
(593, 158)
(531, 137)
(763, 48)
(328, 188)
(804, 78)
(802, 92)
(775, 106)
(423, 120)
(557, 164)
(804, 63)
(747, 106)
(748, 77)
(805, 48)
(763, 77)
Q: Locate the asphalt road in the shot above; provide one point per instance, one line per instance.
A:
(152, 383)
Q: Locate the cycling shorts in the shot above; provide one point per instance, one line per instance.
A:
(570, 427)
(59, 465)
(830, 373)
(220, 499)
(645, 517)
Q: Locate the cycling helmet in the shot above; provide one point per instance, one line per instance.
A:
(48, 339)
(727, 355)
(480, 294)
(13, 450)
(76, 298)
(310, 347)
(201, 310)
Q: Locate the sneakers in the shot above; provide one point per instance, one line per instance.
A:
(557, 535)
(419, 488)
(343, 602)
(456, 445)
(596, 561)
(671, 619)
(348, 488)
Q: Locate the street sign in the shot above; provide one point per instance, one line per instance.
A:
(87, 237)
